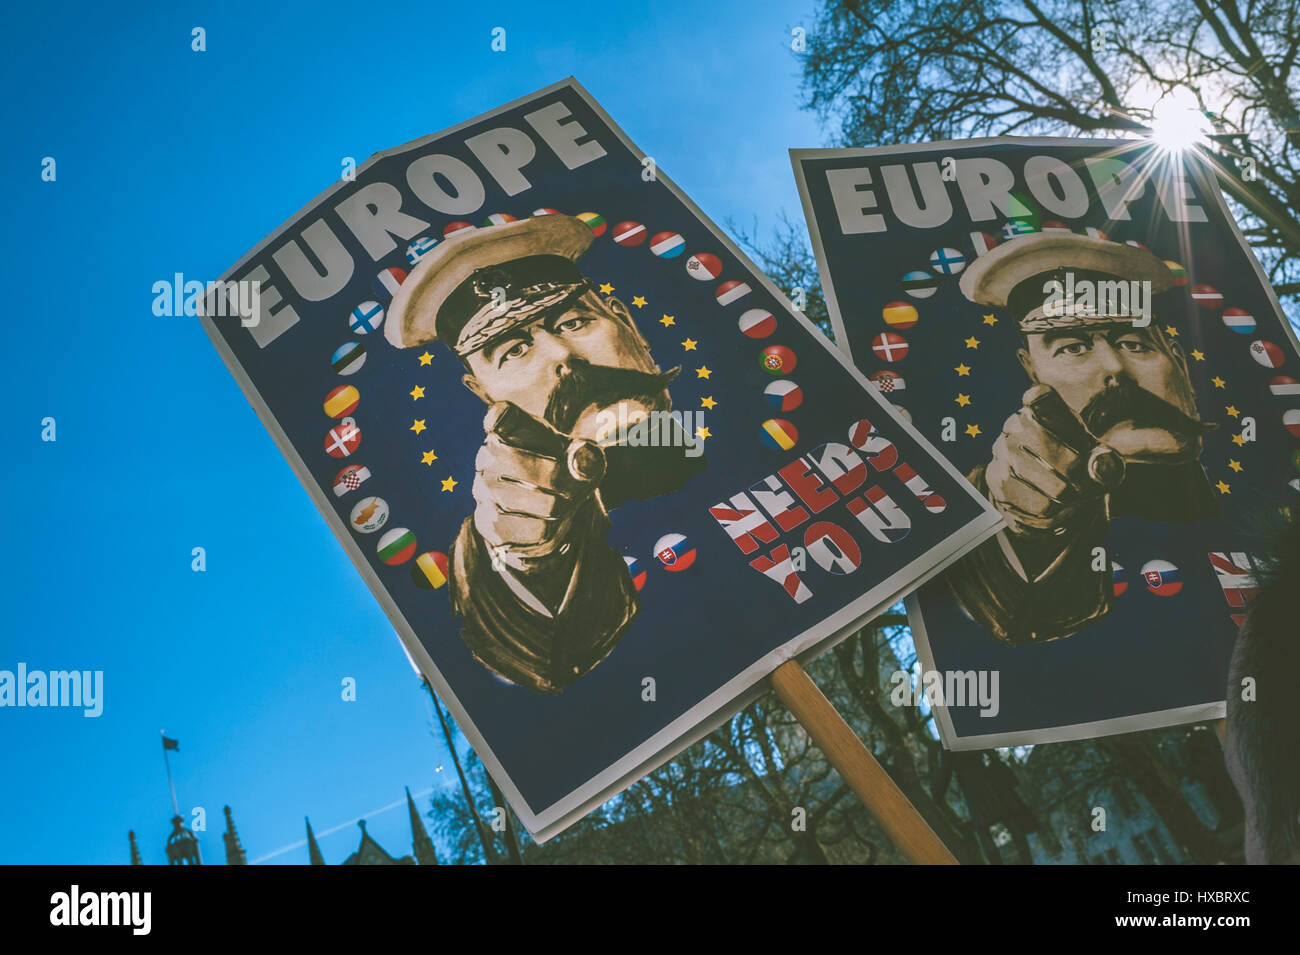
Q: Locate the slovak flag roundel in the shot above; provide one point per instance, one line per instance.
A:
(1161, 578)
(637, 571)
(675, 552)
(1117, 577)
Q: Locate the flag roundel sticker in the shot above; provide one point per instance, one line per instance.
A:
(595, 222)
(889, 346)
(1208, 297)
(675, 553)
(704, 266)
(887, 382)
(636, 570)
(350, 478)
(418, 249)
(731, 291)
(397, 546)
(667, 245)
(348, 358)
(499, 218)
(1161, 578)
(779, 434)
(920, 284)
(1118, 583)
(341, 401)
(899, 315)
(1291, 420)
(388, 281)
(1266, 353)
(342, 440)
(947, 261)
(783, 395)
(628, 233)
(757, 323)
(778, 360)
(1239, 320)
(545, 212)
(369, 514)
(366, 317)
(451, 228)
(430, 570)
(1177, 271)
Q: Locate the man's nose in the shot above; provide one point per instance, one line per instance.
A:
(1109, 361)
(553, 351)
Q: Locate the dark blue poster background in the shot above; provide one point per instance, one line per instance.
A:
(696, 629)
(1158, 658)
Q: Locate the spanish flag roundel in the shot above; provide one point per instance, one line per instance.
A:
(342, 401)
(899, 315)
(430, 570)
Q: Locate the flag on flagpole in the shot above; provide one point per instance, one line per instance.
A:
(171, 744)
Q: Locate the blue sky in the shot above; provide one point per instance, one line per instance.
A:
(170, 160)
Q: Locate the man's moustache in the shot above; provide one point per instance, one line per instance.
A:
(584, 385)
(1130, 402)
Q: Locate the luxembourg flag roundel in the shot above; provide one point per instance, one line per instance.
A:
(1161, 578)
(675, 553)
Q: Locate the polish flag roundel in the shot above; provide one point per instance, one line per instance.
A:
(757, 323)
(1291, 419)
(1208, 297)
(667, 245)
(704, 266)
(1266, 353)
(889, 347)
(628, 233)
(1161, 578)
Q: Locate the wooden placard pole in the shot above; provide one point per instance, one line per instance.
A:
(855, 764)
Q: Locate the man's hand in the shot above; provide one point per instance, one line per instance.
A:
(531, 483)
(1046, 467)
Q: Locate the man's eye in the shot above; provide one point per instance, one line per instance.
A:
(517, 350)
(571, 324)
(1133, 345)
(1074, 348)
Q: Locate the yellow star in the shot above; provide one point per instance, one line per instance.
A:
(1232, 410)
(638, 301)
(418, 426)
(990, 320)
(703, 432)
(1218, 382)
(449, 484)
(417, 392)
(1198, 354)
(962, 371)
(1238, 440)
(667, 320)
(702, 372)
(1223, 488)
(707, 402)
(962, 400)
(1236, 466)
(426, 358)
(690, 344)
(606, 288)
(428, 457)
(973, 430)
(1171, 331)
(972, 342)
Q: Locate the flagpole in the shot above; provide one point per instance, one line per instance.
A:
(176, 809)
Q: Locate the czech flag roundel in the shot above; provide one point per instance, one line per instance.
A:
(637, 571)
(783, 395)
(778, 360)
(628, 233)
(1266, 353)
(1161, 578)
(757, 323)
(675, 553)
